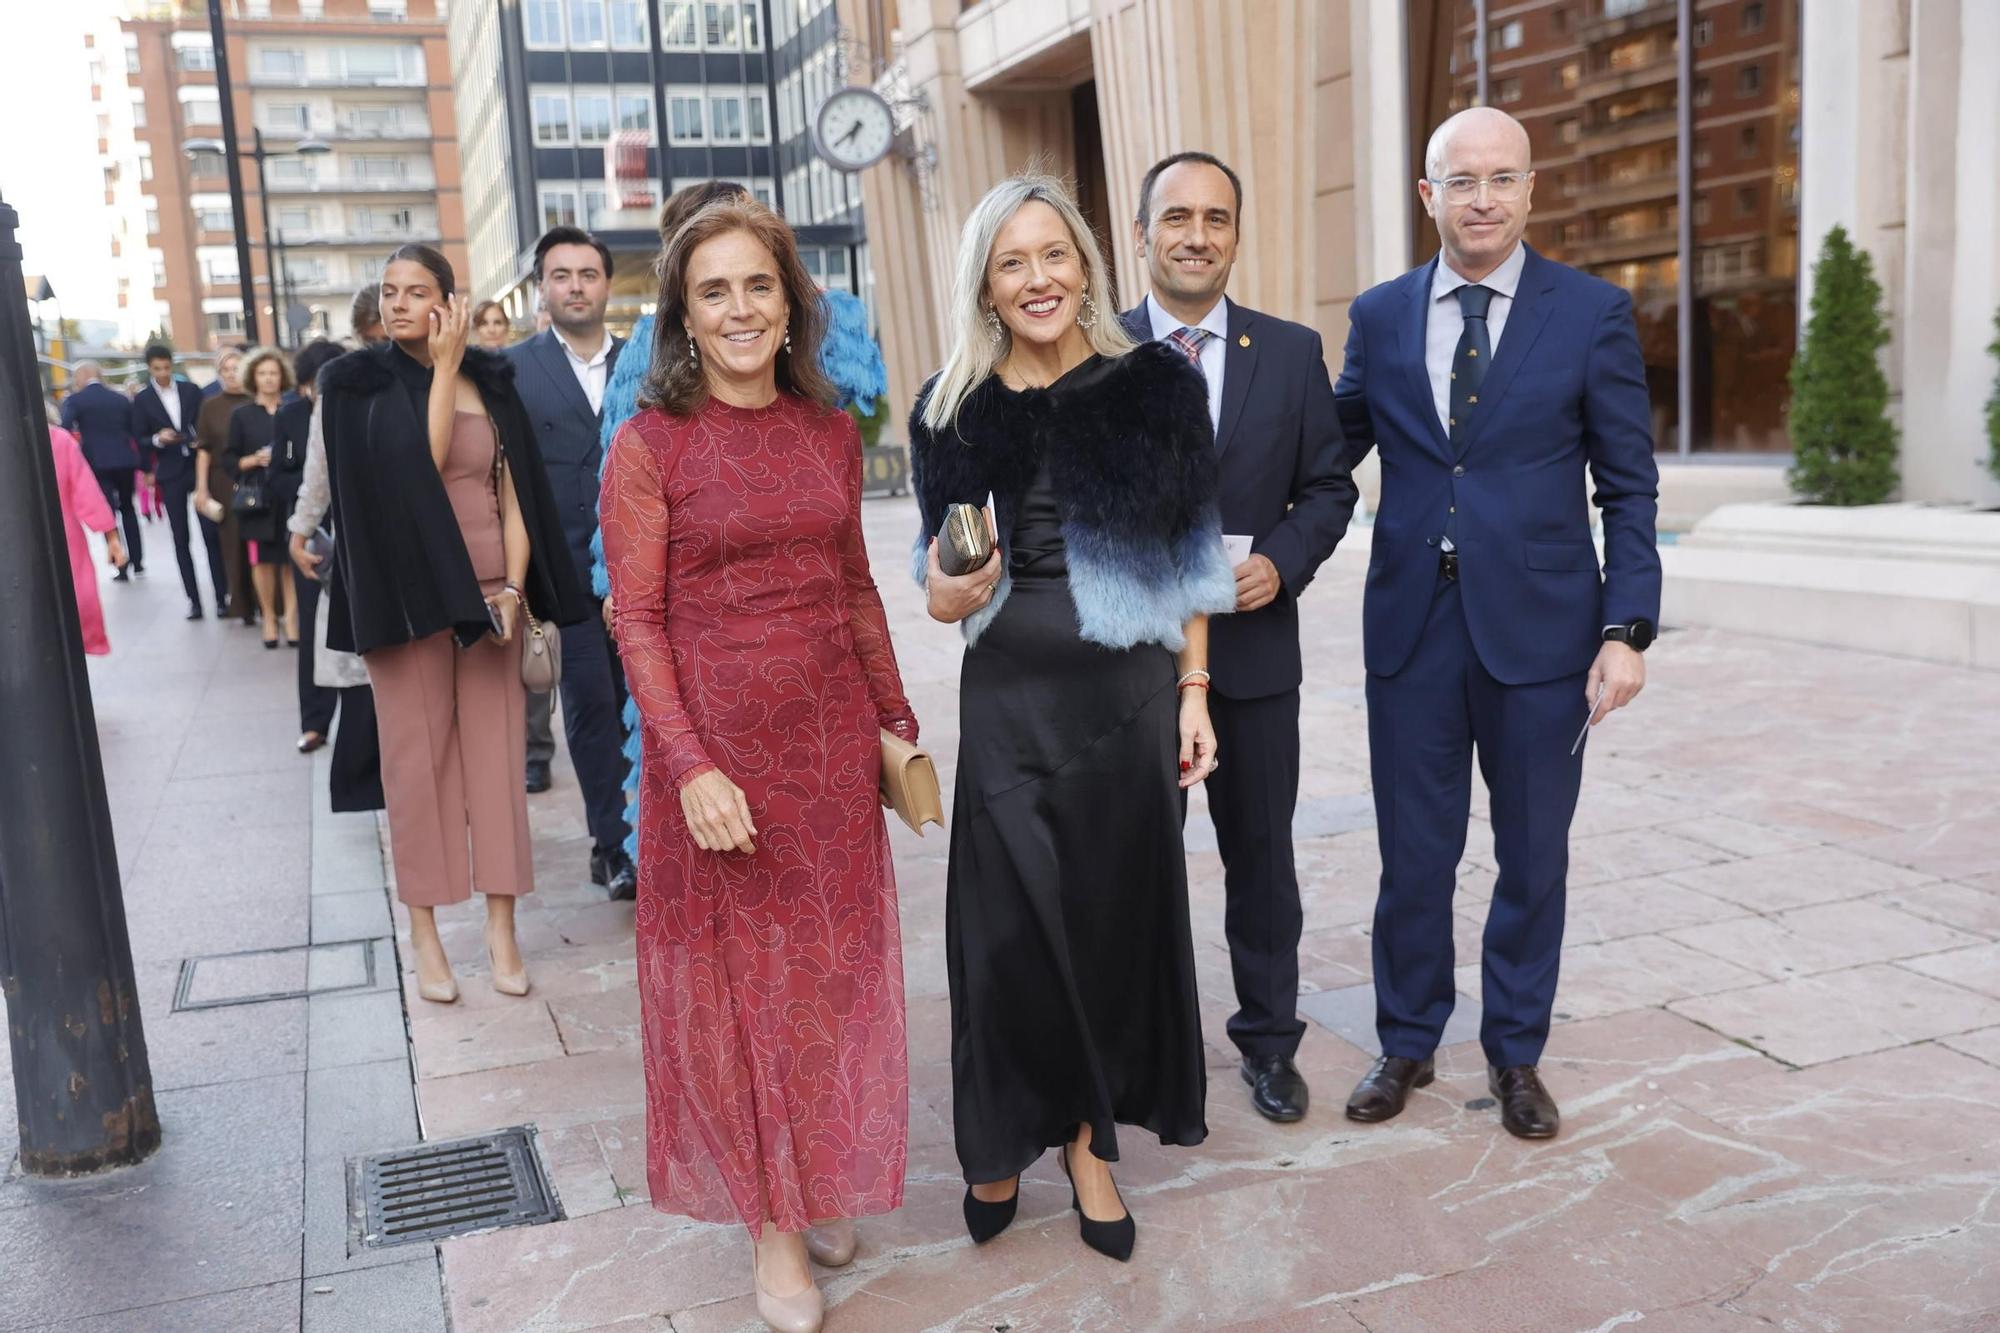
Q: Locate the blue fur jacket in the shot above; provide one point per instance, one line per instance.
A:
(1131, 457)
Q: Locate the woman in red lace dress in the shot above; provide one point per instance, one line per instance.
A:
(770, 971)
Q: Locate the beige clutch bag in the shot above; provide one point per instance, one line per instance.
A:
(910, 784)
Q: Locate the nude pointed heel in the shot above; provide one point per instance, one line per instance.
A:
(802, 1312)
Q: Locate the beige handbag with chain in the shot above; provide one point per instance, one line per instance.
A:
(541, 653)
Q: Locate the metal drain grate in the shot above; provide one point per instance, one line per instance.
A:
(448, 1189)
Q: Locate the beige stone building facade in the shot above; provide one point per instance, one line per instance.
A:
(1871, 113)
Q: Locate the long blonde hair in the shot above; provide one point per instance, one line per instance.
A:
(975, 352)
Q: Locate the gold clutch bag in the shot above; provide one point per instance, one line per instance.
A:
(910, 783)
(966, 542)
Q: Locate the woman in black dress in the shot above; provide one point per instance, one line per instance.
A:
(291, 441)
(252, 432)
(1084, 710)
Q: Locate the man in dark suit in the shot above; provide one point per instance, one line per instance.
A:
(561, 373)
(101, 419)
(163, 419)
(1491, 379)
(1286, 493)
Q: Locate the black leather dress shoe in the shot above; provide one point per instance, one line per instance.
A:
(122, 576)
(1277, 1089)
(621, 876)
(538, 775)
(1384, 1089)
(194, 610)
(1526, 1108)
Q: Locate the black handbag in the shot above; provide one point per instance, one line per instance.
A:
(252, 498)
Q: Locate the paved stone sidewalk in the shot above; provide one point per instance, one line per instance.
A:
(229, 854)
(1778, 1052)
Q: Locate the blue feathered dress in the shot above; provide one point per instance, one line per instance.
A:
(851, 359)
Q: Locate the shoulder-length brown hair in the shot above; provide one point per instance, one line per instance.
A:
(676, 383)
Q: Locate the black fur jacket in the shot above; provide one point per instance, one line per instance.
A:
(401, 571)
(1131, 457)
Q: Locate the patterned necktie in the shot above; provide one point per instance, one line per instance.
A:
(1468, 361)
(1190, 343)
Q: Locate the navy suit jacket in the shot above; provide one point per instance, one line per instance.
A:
(568, 432)
(1284, 482)
(101, 419)
(1566, 392)
(173, 462)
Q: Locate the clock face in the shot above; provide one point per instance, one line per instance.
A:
(855, 129)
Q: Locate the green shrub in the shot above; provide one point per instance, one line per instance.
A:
(1843, 444)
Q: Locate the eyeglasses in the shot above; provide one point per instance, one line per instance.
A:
(1504, 187)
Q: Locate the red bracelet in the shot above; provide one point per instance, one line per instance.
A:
(1194, 685)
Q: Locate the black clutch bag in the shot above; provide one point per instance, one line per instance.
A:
(965, 542)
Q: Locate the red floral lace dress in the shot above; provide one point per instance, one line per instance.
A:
(771, 984)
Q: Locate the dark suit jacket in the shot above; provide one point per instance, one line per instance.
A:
(1285, 483)
(173, 462)
(101, 419)
(1567, 390)
(567, 430)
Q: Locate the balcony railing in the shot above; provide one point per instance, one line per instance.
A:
(1602, 26)
(356, 185)
(1609, 136)
(1620, 249)
(1610, 81)
(423, 231)
(261, 80)
(1636, 190)
(343, 133)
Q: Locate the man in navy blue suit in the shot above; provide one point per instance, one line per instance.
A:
(1491, 380)
(101, 419)
(1287, 494)
(561, 373)
(163, 421)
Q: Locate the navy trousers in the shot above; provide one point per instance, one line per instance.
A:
(1251, 797)
(593, 706)
(1426, 723)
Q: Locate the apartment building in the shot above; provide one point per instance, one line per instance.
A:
(352, 101)
(590, 112)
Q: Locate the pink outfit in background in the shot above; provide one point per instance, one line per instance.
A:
(83, 506)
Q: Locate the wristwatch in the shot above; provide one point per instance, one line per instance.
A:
(1636, 635)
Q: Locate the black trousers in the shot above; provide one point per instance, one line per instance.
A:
(175, 493)
(355, 782)
(316, 702)
(122, 494)
(1251, 797)
(593, 707)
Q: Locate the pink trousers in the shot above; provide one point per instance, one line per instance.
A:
(454, 744)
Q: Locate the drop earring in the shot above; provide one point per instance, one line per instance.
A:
(993, 325)
(788, 342)
(693, 355)
(1087, 317)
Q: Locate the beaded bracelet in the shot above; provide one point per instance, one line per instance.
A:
(1189, 677)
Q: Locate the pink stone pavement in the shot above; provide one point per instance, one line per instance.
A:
(1777, 1052)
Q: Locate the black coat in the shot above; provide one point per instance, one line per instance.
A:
(1283, 481)
(401, 571)
(173, 462)
(568, 432)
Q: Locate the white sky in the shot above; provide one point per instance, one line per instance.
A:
(49, 169)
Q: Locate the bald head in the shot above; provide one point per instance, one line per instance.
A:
(1475, 131)
(1478, 188)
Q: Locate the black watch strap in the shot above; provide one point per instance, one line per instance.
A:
(1636, 635)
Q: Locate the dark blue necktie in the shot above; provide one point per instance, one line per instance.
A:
(1469, 360)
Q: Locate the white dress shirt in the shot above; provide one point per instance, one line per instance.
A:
(592, 372)
(1446, 323)
(1216, 322)
(170, 398)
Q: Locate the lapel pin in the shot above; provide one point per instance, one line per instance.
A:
(1244, 341)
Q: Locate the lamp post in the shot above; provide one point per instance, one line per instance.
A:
(305, 147)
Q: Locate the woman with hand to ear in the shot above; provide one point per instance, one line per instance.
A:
(442, 509)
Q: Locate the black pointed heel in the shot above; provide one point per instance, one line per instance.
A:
(1111, 1239)
(985, 1220)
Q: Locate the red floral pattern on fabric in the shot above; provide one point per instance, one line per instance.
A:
(770, 985)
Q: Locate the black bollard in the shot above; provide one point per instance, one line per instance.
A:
(82, 1085)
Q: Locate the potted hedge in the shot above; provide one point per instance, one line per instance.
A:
(1843, 443)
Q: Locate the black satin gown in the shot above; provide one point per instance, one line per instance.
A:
(1066, 919)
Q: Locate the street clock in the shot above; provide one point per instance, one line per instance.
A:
(855, 129)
